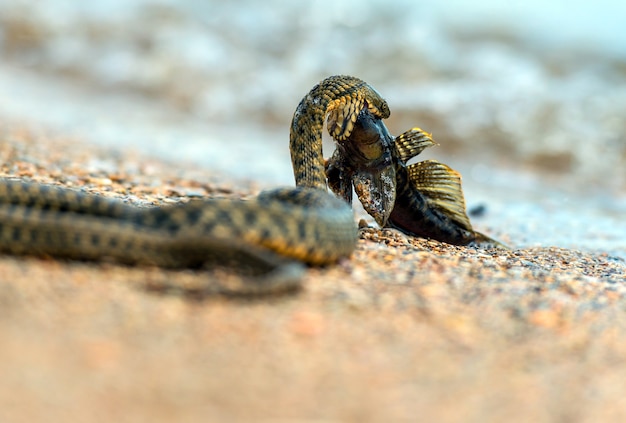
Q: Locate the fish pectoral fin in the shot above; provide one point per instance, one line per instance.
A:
(376, 190)
(441, 186)
(412, 142)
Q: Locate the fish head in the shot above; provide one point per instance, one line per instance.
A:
(368, 142)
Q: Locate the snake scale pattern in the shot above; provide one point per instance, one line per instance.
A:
(263, 235)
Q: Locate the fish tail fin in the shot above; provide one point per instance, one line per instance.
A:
(488, 242)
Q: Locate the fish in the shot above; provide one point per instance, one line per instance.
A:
(423, 199)
(364, 161)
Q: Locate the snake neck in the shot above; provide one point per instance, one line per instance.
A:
(344, 95)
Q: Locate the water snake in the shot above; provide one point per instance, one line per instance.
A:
(263, 235)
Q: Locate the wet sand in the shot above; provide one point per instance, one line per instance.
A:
(406, 329)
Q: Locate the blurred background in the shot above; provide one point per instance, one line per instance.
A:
(526, 99)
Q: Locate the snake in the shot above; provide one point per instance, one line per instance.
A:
(270, 237)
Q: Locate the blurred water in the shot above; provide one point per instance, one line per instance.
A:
(576, 25)
(525, 97)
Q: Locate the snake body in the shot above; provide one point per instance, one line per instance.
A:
(305, 223)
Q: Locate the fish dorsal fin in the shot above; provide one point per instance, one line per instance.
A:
(412, 142)
(441, 185)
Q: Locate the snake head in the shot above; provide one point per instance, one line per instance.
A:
(376, 104)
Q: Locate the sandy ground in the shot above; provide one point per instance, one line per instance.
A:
(405, 330)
